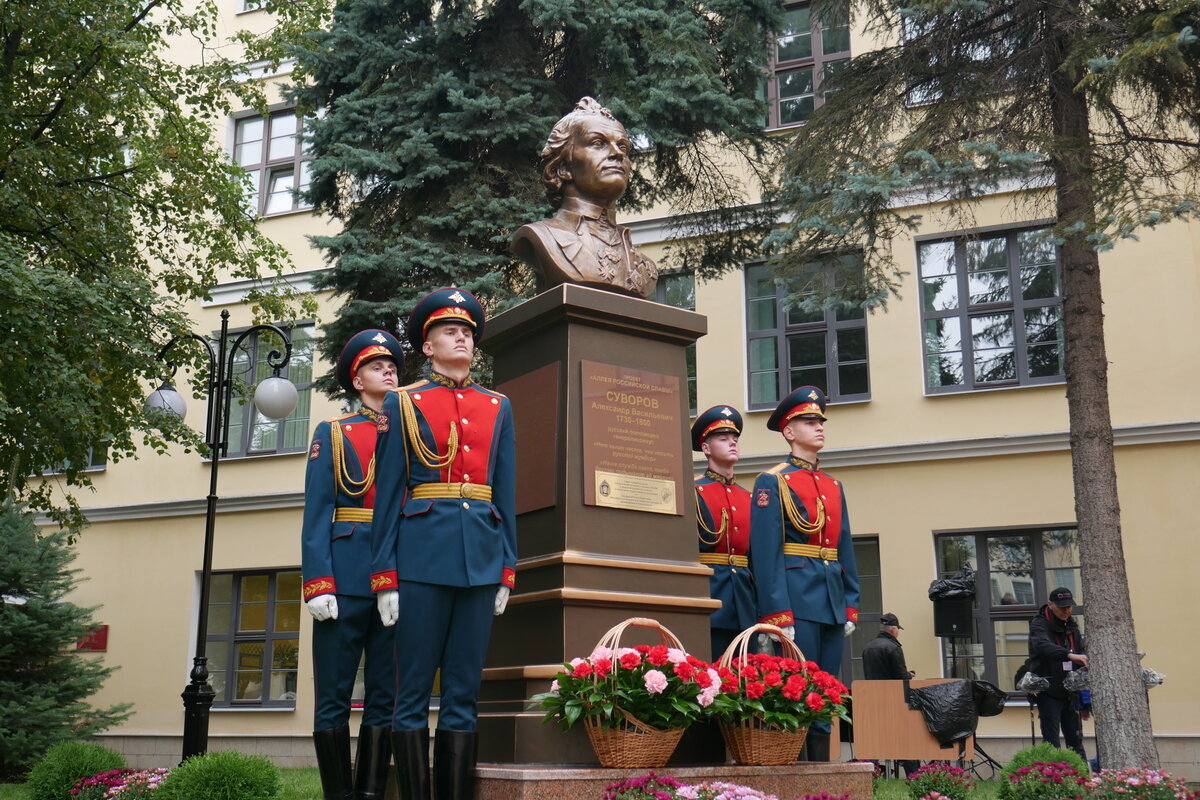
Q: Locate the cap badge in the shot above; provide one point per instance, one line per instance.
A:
(727, 412)
(458, 298)
(379, 337)
(813, 396)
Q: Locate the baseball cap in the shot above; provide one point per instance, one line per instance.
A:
(890, 620)
(1062, 597)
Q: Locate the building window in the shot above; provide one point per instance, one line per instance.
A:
(272, 151)
(790, 347)
(870, 606)
(94, 460)
(250, 433)
(803, 56)
(991, 311)
(254, 638)
(1015, 572)
(679, 289)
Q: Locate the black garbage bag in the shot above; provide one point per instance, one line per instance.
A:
(960, 585)
(948, 708)
(989, 699)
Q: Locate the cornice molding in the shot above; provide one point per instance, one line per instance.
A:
(945, 450)
(231, 292)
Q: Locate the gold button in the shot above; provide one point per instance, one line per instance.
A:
(464, 420)
(417, 396)
(466, 504)
(495, 402)
(460, 397)
(467, 478)
(734, 508)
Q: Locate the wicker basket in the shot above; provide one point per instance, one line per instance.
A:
(633, 744)
(752, 742)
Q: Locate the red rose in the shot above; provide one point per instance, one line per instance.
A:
(657, 655)
(631, 660)
(814, 701)
(685, 670)
(772, 679)
(755, 689)
(603, 666)
(582, 670)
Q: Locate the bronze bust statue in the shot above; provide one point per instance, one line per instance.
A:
(585, 168)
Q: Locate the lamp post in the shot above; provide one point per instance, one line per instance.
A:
(275, 397)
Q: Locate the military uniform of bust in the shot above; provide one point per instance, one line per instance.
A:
(585, 167)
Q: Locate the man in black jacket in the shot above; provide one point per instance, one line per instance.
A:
(1056, 647)
(883, 659)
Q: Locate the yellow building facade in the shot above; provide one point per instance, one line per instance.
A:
(950, 434)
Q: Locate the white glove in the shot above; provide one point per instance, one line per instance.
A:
(789, 631)
(323, 607)
(764, 643)
(502, 593)
(388, 604)
(850, 626)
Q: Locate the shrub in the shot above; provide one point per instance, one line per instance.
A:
(222, 775)
(1047, 781)
(65, 764)
(1137, 784)
(1044, 752)
(941, 779)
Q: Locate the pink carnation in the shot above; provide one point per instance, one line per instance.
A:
(656, 682)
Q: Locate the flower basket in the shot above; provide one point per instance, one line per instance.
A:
(631, 744)
(635, 702)
(752, 741)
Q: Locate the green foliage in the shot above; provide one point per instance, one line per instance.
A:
(434, 115)
(66, 763)
(943, 780)
(117, 205)
(222, 775)
(44, 685)
(1041, 752)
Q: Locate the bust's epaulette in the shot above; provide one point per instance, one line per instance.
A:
(342, 417)
(778, 468)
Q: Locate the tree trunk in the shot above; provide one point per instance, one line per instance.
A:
(1122, 710)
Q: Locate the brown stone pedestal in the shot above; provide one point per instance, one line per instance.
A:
(541, 782)
(585, 567)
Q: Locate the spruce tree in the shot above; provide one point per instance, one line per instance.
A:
(44, 684)
(432, 114)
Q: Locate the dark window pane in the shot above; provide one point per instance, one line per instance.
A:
(939, 293)
(944, 369)
(943, 335)
(993, 365)
(835, 38)
(762, 354)
(255, 588)
(762, 314)
(992, 330)
(988, 286)
(806, 350)
(764, 388)
(796, 83)
(797, 110)
(809, 377)
(853, 379)
(852, 344)
(954, 551)
(1039, 282)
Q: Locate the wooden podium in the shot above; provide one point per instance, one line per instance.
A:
(885, 728)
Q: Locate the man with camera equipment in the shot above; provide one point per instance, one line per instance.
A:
(1056, 647)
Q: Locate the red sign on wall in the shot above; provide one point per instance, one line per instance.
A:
(95, 640)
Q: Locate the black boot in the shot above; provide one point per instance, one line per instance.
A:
(454, 764)
(410, 749)
(333, 762)
(371, 765)
(817, 745)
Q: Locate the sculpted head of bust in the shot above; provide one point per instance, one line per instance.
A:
(587, 156)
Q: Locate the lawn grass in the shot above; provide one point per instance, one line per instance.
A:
(897, 789)
(298, 783)
(12, 791)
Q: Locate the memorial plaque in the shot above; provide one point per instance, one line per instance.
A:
(632, 439)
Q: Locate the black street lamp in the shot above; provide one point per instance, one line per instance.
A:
(275, 397)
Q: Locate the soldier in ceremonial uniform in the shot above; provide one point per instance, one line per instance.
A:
(444, 557)
(723, 525)
(800, 547)
(339, 495)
